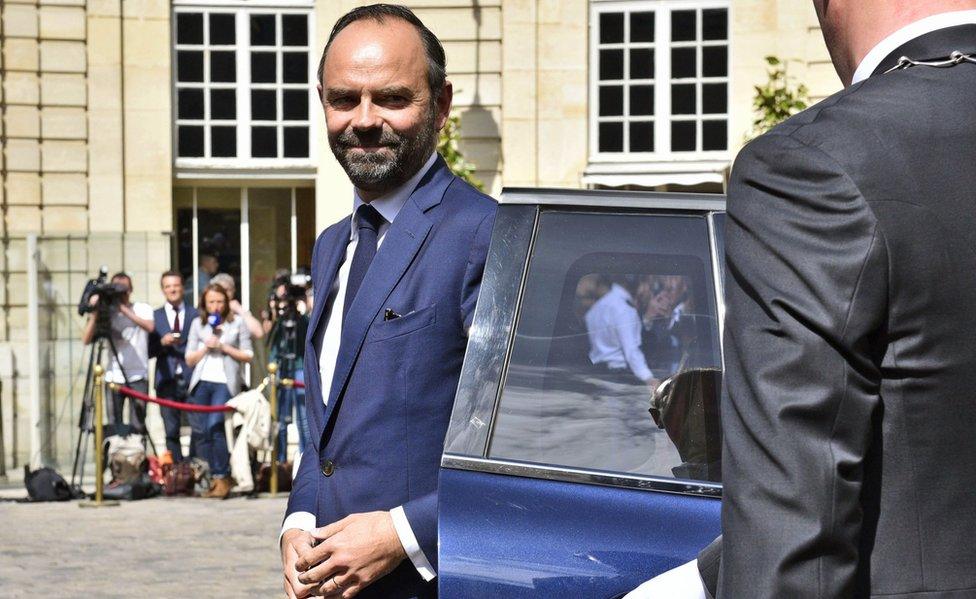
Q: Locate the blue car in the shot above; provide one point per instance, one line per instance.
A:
(584, 452)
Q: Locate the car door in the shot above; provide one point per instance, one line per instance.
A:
(557, 479)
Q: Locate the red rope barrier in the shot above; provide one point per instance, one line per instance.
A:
(172, 404)
(298, 384)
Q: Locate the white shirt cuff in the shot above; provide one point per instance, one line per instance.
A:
(300, 520)
(410, 544)
(683, 582)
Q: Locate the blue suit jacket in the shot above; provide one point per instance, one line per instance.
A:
(394, 383)
(168, 358)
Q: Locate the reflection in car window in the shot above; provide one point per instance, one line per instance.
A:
(615, 362)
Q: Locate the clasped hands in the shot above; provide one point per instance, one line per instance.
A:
(341, 559)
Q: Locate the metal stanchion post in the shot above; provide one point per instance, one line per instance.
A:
(273, 382)
(99, 388)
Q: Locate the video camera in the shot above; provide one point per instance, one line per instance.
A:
(285, 308)
(108, 293)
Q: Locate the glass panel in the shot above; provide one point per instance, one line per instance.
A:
(190, 104)
(714, 98)
(295, 67)
(611, 64)
(641, 100)
(263, 105)
(296, 142)
(612, 304)
(295, 105)
(219, 218)
(294, 30)
(189, 65)
(611, 100)
(189, 141)
(715, 61)
(223, 142)
(223, 104)
(683, 63)
(264, 142)
(683, 99)
(642, 27)
(611, 28)
(715, 135)
(683, 136)
(223, 66)
(222, 29)
(642, 64)
(611, 137)
(262, 30)
(715, 24)
(263, 69)
(683, 25)
(642, 136)
(189, 28)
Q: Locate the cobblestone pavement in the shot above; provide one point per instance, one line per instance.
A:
(162, 547)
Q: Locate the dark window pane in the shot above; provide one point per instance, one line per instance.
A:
(715, 135)
(190, 104)
(295, 67)
(715, 24)
(642, 27)
(642, 64)
(223, 104)
(641, 100)
(715, 98)
(296, 142)
(611, 64)
(262, 30)
(189, 28)
(223, 66)
(611, 28)
(263, 67)
(223, 141)
(642, 137)
(295, 104)
(263, 105)
(683, 26)
(189, 65)
(683, 136)
(715, 61)
(294, 30)
(683, 99)
(222, 29)
(189, 141)
(683, 63)
(611, 137)
(264, 142)
(611, 100)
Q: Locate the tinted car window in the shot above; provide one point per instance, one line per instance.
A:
(615, 306)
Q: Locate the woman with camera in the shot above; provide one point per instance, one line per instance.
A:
(217, 346)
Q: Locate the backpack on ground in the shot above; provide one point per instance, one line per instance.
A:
(178, 479)
(45, 484)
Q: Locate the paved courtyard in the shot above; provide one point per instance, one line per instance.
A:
(162, 547)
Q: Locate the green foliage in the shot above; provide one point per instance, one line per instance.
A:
(447, 146)
(778, 99)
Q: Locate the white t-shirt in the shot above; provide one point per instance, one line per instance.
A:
(132, 344)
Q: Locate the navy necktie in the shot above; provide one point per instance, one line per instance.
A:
(368, 222)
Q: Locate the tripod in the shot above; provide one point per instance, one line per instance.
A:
(285, 337)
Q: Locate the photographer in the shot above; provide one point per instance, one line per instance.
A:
(130, 325)
(289, 326)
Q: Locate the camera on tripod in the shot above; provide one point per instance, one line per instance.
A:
(289, 306)
(108, 293)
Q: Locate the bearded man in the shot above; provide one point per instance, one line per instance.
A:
(398, 280)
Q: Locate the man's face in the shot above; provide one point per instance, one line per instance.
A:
(209, 264)
(381, 119)
(172, 289)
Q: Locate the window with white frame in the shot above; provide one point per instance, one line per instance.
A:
(242, 86)
(659, 79)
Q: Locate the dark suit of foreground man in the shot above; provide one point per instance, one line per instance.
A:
(382, 363)
(850, 453)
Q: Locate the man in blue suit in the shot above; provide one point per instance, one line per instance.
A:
(396, 285)
(168, 344)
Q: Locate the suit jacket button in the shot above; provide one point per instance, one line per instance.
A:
(328, 467)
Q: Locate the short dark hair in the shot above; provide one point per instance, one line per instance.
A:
(171, 273)
(436, 60)
(122, 275)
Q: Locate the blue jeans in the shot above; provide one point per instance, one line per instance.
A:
(208, 428)
(289, 398)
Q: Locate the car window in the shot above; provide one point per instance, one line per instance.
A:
(615, 360)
